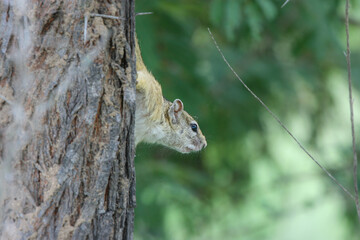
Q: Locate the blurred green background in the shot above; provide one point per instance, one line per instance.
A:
(252, 181)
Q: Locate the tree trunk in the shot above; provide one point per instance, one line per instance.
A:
(67, 104)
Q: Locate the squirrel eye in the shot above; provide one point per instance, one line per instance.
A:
(194, 127)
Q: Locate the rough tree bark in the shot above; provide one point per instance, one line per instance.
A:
(67, 119)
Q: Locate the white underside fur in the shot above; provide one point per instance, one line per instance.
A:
(145, 130)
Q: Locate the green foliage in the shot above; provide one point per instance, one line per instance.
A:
(252, 181)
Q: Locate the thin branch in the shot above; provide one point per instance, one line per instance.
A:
(143, 13)
(6, 100)
(278, 120)
(286, 2)
(106, 16)
(351, 108)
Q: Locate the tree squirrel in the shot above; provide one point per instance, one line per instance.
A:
(158, 120)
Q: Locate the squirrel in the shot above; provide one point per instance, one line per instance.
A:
(160, 121)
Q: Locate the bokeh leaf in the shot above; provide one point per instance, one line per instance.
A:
(232, 18)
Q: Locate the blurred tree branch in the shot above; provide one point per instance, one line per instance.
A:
(351, 102)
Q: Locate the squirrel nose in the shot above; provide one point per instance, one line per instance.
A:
(204, 145)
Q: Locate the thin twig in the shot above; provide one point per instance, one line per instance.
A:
(351, 108)
(286, 2)
(6, 100)
(143, 13)
(278, 120)
(105, 16)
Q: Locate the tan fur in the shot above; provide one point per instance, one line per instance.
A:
(160, 121)
(151, 93)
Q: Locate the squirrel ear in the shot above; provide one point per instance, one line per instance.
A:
(175, 110)
(178, 105)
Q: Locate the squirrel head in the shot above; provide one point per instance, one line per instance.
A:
(160, 121)
(184, 134)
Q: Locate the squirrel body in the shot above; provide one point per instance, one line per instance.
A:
(160, 121)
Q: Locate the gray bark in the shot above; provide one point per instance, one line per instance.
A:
(67, 119)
